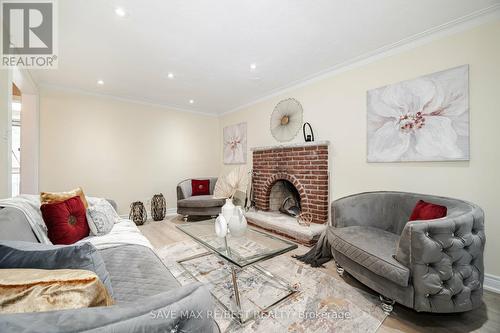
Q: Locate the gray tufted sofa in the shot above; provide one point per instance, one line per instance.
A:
(432, 265)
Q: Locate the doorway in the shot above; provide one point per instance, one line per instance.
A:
(16, 141)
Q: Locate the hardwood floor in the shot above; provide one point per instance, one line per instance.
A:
(484, 319)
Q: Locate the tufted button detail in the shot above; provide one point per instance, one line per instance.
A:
(452, 234)
(427, 233)
(427, 295)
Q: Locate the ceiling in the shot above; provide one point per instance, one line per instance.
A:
(209, 45)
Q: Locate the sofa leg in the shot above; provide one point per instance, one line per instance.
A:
(387, 304)
(185, 218)
(340, 270)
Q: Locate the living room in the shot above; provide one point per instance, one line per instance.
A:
(238, 166)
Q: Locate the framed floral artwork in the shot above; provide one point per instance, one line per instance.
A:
(424, 119)
(235, 144)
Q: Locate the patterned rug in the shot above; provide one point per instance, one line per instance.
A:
(322, 304)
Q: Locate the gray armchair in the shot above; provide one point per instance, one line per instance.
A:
(430, 265)
(200, 205)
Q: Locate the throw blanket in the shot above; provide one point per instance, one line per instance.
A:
(122, 233)
(30, 206)
(321, 252)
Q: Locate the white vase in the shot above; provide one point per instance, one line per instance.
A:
(228, 209)
(220, 226)
(237, 224)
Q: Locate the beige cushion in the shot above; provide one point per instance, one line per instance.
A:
(201, 201)
(36, 290)
(53, 197)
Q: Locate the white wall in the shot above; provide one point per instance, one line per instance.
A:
(121, 150)
(29, 144)
(5, 132)
(336, 108)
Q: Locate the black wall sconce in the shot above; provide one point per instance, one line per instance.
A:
(308, 135)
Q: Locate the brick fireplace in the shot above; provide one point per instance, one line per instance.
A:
(303, 165)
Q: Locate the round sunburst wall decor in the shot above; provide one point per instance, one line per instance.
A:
(286, 119)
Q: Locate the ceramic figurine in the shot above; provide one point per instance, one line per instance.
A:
(228, 209)
(237, 224)
(220, 226)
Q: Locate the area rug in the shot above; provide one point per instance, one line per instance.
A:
(322, 304)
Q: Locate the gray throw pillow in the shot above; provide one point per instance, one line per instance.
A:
(16, 254)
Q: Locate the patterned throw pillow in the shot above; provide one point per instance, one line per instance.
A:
(101, 217)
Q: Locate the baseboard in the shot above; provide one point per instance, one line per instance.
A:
(492, 283)
(170, 211)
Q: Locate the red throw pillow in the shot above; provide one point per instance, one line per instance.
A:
(66, 221)
(427, 211)
(200, 187)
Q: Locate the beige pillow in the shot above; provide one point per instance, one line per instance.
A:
(54, 197)
(36, 290)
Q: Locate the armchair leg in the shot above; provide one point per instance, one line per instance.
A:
(185, 218)
(340, 269)
(387, 304)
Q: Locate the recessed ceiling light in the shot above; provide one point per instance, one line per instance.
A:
(170, 75)
(191, 101)
(100, 82)
(253, 66)
(120, 11)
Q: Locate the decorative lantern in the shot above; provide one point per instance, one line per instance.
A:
(158, 207)
(308, 137)
(138, 213)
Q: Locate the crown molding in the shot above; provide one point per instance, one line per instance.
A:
(122, 99)
(463, 23)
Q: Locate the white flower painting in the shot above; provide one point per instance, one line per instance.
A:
(235, 144)
(425, 119)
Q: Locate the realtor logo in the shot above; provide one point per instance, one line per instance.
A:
(28, 34)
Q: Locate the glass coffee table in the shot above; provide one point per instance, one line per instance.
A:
(230, 268)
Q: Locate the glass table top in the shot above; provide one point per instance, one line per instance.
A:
(254, 246)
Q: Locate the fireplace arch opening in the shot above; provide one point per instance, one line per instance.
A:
(285, 198)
